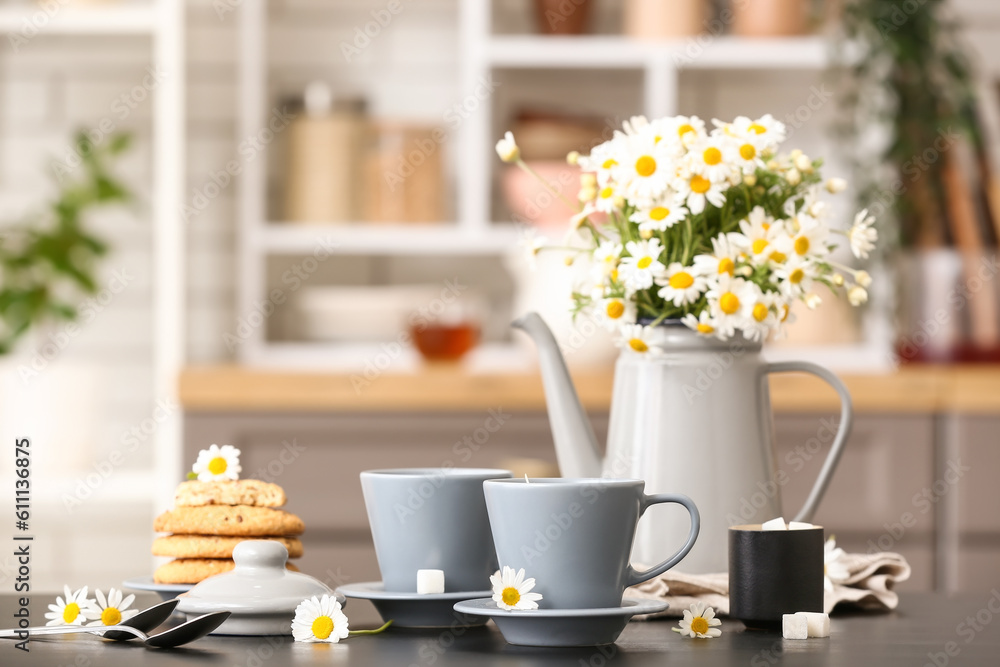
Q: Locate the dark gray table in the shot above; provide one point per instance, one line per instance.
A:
(925, 630)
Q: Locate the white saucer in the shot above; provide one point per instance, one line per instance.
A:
(560, 627)
(165, 591)
(412, 610)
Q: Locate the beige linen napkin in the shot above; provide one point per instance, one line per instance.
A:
(868, 585)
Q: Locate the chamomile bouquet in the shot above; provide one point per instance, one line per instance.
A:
(712, 227)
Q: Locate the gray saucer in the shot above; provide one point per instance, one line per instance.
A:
(165, 591)
(411, 610)
(561, 627)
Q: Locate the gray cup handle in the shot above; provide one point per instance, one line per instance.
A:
(844, 430)
(636, 577)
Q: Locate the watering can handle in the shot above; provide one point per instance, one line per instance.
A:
(636, 577)
(844, 430)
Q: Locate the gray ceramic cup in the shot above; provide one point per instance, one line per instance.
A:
(431, 519)
(574, 536)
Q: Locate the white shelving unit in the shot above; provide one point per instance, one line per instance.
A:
(163, 22)
(482, 53)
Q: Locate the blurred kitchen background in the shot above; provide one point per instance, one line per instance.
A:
(320, 253)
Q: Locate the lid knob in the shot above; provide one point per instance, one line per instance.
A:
(260, 554)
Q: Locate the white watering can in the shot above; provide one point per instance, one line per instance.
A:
(696, 420)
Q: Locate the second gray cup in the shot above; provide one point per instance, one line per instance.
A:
(574, 536)
(431, 519)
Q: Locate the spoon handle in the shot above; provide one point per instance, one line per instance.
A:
(68, 630)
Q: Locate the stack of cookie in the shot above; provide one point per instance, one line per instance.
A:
(210, 518)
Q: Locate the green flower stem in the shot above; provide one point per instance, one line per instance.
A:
(371, 632)
(555, 193)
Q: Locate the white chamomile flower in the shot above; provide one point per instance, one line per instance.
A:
(762, 319)
(862, 235)
(728, 301)
(834, 568)
(659, 217)
(703, 323)
(72, 610)
(796, 276)
(637, 338)
(682, 285)
(836, 185)
(757, 232)
(766, 132)
(857, 295)
(697, 191)
(809, 238)
(507, 148)
(686, 129)
(744, 154)
(512, 591)
(607, 199)
(111, 610)
(721, 260)
(647, 169)
(708, 158)
(218, 463)
(615, 311)
(642, 266)
(606, 257)
(699, 622)
(320, 619)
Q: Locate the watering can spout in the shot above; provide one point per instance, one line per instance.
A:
(576, 444)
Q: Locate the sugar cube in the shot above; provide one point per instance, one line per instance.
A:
(430, 582)
(799, 525)
(774, 524)
(818, 623)
(794, 626)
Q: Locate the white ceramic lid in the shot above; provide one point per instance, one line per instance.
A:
(260, 584)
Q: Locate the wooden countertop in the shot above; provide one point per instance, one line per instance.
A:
(917, 389)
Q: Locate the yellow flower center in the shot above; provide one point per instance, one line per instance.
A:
(615, 309)
(784, 312)
(684, 129)
(607, 192)
(757, 128)
(727, 265)
(111, 616)
(748, 152)
(760, 312)
(729, 303)
(70, 612)
(712, 156)
(645, 166)
(322, 627)
(657, 139)
(802, 245)
(705, 328)
(614, 275)
(699, 625)
(217, 466)
(610, 162)
(796, 276)
(638, 345)
(510, 596)
(759, 245)
(778, 257)
(681, 280)
(700, 184)
(659, 213)
(644, 262)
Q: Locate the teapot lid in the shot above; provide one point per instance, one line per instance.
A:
(259, 584)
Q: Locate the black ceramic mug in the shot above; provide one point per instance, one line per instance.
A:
(774, 572)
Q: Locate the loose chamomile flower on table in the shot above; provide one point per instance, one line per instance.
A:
(699, 622)
(320, 619)
(72, 610)
(834, 568)
(111, 610)
(512, 591)
(218, 464)
(507, 148)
